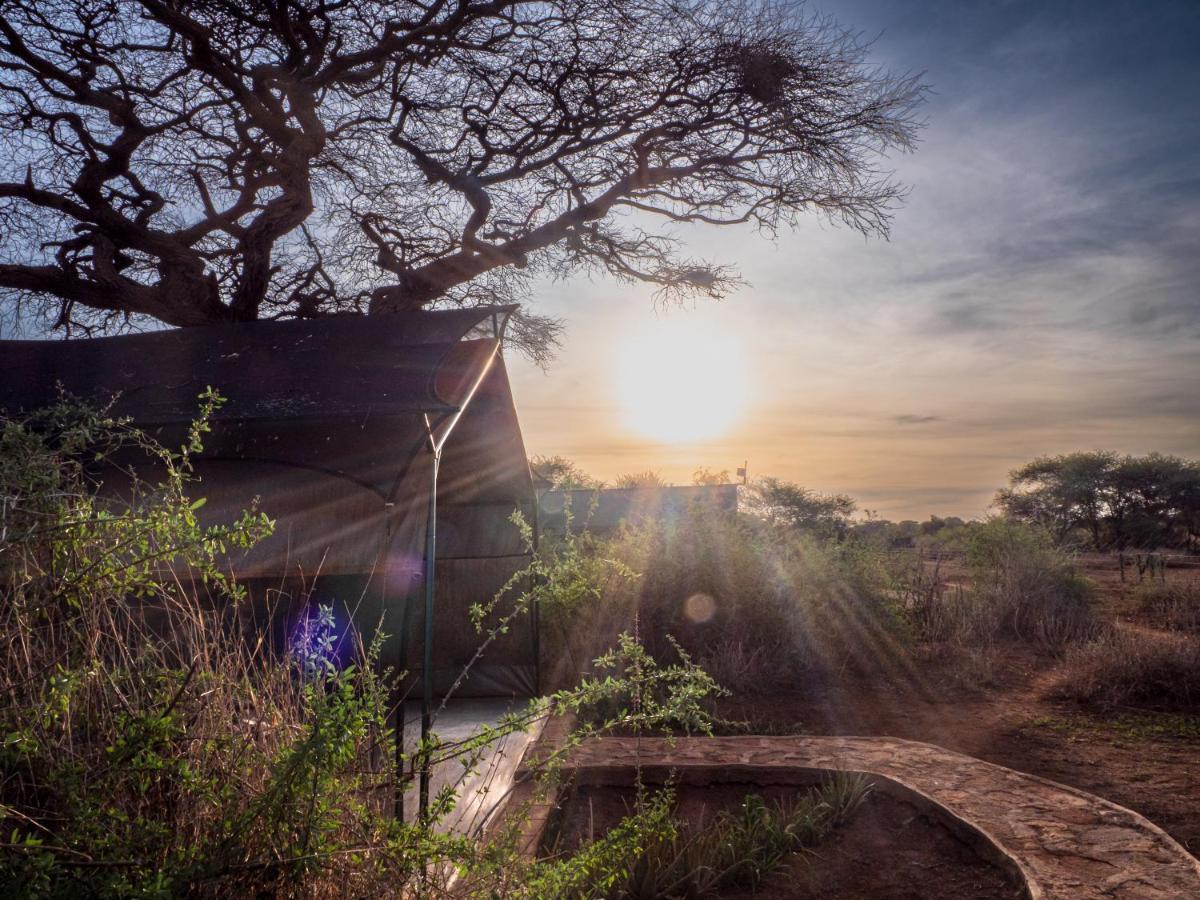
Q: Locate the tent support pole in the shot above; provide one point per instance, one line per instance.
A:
(535, 612)
(437, 440)
(427, 663)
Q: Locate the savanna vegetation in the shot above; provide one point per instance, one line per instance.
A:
(150, 749)
(794, 588)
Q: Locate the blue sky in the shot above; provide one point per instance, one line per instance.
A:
(1040, 291)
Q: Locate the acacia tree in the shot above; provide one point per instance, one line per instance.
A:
(786, 504)
(1062, 493)
(205, 161)
(563, 474)
(1120, 501)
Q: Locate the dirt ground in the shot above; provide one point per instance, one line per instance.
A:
(1141, 759)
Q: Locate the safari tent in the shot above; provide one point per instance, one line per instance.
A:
(385, 448)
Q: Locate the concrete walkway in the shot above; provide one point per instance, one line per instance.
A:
(1063, 843)
(480, 781)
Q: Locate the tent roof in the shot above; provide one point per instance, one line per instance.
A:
(337, 367)
(346, 396)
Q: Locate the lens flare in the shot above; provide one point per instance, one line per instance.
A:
(699, 608)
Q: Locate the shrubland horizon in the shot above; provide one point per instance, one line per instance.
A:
(1100, 500)
(899, 453)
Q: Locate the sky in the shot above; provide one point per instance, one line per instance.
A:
(1039, 293)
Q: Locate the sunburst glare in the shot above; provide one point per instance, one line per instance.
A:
(681, 382)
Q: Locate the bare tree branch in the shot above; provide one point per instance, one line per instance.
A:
(240, 159)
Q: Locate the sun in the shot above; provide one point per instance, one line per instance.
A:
(682, 382)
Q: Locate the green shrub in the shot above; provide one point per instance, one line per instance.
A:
(756, 606)
(581, 589)
(148, 750)
(1021, 589)
(668, 858)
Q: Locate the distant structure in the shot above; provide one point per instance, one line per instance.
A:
(604, 510)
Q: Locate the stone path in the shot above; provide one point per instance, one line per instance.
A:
(1062, 842)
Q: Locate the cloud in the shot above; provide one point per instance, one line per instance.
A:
(909, 419)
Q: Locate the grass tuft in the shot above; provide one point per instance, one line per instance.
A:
(740, 849)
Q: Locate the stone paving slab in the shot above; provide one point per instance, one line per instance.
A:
(1062, 842)
(481, 788)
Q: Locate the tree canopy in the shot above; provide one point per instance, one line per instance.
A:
(640, 480)
(227, 160)
(1117, 501)
(562, 474)
(706, 476)
(789, 505)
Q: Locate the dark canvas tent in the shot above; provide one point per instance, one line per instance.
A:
(334, 424)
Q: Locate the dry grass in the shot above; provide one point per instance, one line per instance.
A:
(147, 744)
(148, 749)
(1174, 606)
(1021, 589)
(1130, 666)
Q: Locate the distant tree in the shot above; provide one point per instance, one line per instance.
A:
(874, 529)
(229, 160)
(1119, 501)
(563, 474)
(788, 505)
(1061, 493)
(646, 479)
(936, 523)
(705, 475)
(1180, 483)
(1154, 501)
